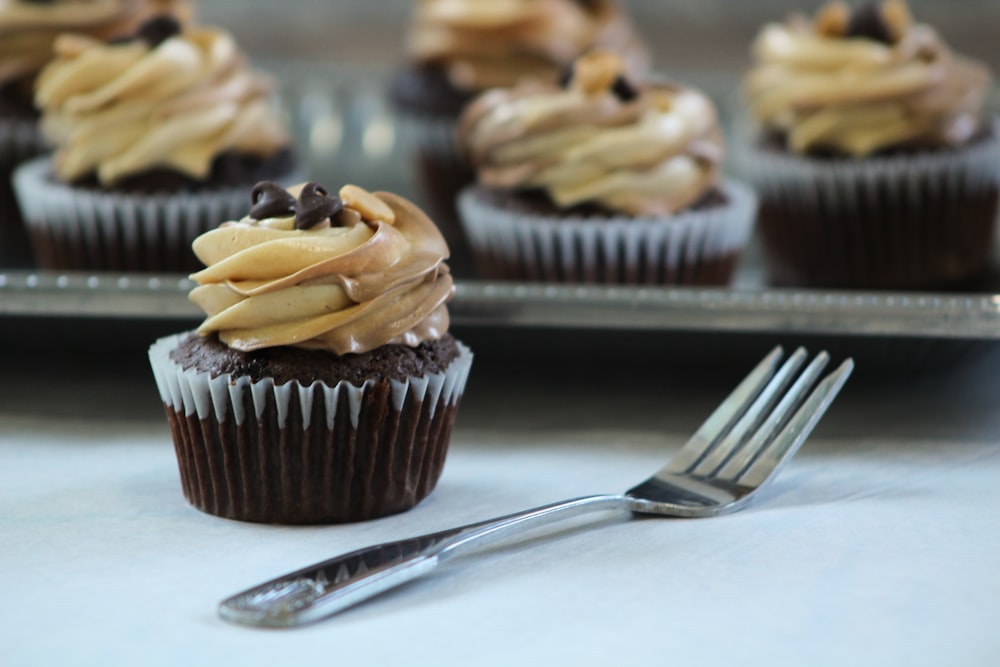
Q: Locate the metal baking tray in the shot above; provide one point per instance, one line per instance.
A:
(971, 316)
(346, 131)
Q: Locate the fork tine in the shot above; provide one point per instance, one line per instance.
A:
(745, 454)
(722, 450)
(726, 414)
(784, 446)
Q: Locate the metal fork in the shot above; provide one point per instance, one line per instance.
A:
(740, 446)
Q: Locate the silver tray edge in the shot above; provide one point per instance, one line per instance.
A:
(970, 316)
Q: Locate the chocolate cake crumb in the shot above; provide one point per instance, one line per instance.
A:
(287, 364)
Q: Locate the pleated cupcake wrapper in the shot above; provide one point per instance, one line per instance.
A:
(894, 215)
(815, 181)
(83, 229)
(197, 393)
(691, 247)
(258, 451)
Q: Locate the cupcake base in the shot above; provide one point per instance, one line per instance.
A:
(293, 453)
(513, 240)
(904, 221)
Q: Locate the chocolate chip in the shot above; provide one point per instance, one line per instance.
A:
(270, 200)
(158, 29)
(565, 76)
(315, 205)
(867, 22)
(624, 90)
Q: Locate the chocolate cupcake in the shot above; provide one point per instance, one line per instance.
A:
(27, 32)
(599, 179)
(157, 136)
(876, 163)
(323, 385)
(460, 49)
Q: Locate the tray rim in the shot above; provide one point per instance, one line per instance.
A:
(960, 316)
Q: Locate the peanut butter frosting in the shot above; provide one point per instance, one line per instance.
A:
(857, 82)
(170, 98)
(345, 273)
(28, 29)
(483, 45)
(652, 149)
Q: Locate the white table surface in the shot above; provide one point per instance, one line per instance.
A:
(877, 545)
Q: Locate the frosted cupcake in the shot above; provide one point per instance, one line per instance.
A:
(876, 163)
(457, 50)
(27, 32)
(323, 384)
(598, 179)
(157, 139)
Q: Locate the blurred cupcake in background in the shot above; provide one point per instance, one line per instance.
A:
(876, 162)
(460, 48)
(323, 384)
(601, 179)
(28, 30)
(157, 138)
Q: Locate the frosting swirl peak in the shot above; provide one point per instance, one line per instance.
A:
(371, 274)
(119, 109)
(28, 29)
(857, 83)
(650, 149)
(483, 45)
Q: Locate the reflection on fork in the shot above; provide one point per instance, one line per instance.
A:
(741, 446)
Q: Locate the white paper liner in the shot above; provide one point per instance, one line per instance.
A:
(921, 220)
(809, 182)
(195, 392)
(120, 231)
(608, 249)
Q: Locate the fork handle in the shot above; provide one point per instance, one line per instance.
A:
(328, 587)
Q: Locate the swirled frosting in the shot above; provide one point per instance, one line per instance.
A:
(373, 274)
(648, 150)
(483, 45)
(824, 87)
(29, 29)
(115, 110)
